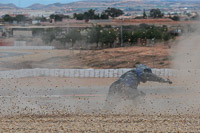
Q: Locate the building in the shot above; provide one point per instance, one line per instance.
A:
(22, 33)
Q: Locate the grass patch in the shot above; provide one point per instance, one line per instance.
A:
(137, 62)
(165, 59)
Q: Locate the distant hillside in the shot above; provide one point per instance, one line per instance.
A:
(8, 6)
(36, 6)
(101, 3)
(95, 4)
(84, 4)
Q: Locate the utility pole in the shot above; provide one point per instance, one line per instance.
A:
(67, 26)
(121, 34)
(153, 42)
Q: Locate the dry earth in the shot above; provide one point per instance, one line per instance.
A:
(126, 57)
(92, 122)
(101, 123)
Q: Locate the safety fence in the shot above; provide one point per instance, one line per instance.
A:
(27, 47)
(88, 73)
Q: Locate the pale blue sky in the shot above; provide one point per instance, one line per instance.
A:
(25, 3)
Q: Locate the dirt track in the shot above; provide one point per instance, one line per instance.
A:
(167, 108)
(169, 98)
(101, 123)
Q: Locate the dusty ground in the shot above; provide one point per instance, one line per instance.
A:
(126, 57)
(101, 123)
(158, 95)
(164, 102)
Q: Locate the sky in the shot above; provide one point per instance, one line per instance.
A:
(25, 3)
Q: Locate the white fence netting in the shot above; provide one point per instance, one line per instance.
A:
(89, 73)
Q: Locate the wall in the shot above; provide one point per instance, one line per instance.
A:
(82, 73)
(5, 42)
(19, 43)
(22, 33)
(28, 47)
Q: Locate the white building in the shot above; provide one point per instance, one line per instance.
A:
(40, 13)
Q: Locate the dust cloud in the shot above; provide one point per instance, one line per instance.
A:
(45, 96)
(180, 97)
(187, 65)
(187, 51)
(186, 56)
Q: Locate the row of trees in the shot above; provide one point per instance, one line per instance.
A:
(19, 18)
(108, 37)
(156, 13)
(90, 14)
(58, 17)
(56, 34)
(113, 12)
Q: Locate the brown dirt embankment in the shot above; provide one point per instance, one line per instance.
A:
(126, 57)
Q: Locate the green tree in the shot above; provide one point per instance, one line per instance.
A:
(66, 16)
(142, 34)
(20, 18)
(38, 31)
(166, 36)
(144, 14)
(94, 34)
(134, 37)
(154, 32)
(104, 16)
(63, 39)
(126, 36)
(90, 14)
(113, 12)
(164, 28)
(48, 36)
(108, 38)
(144, 26)
(52, 16)
(73, 36)
(78, 16)
(42, 19)
(156, 13)
(7, 18)
(56, 17)
(175, 18)
(189, 14)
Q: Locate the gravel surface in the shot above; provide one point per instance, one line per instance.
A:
(101, 123)
(165, 108)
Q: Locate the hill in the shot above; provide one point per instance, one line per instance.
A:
(36, 6)
(95, 4)
(110, 3)
(8, 6)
